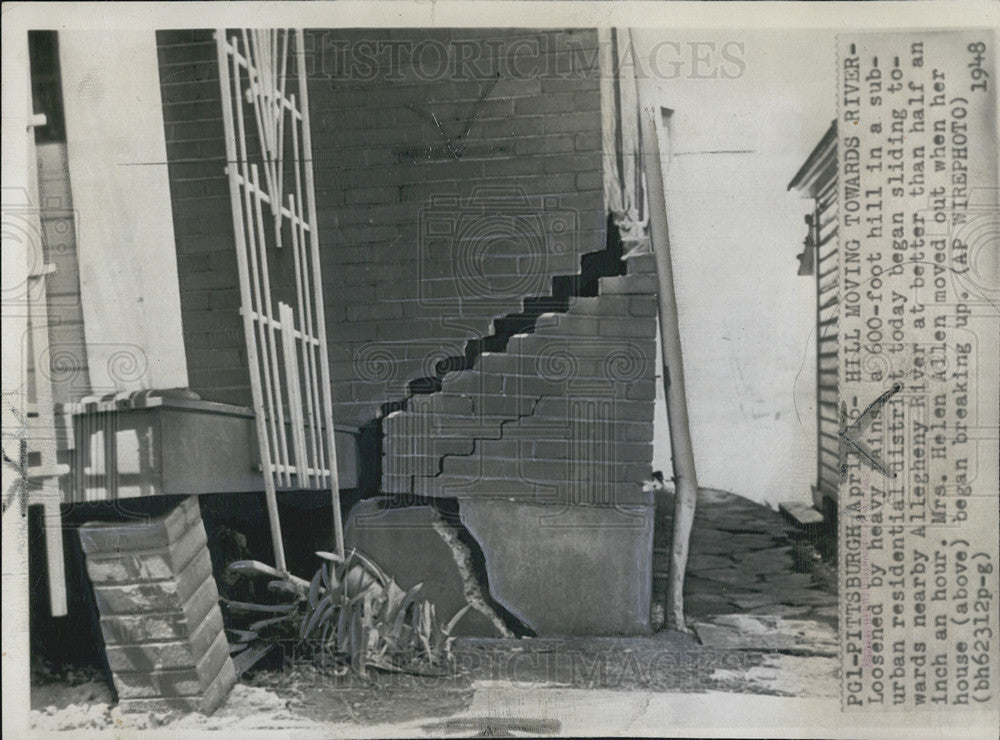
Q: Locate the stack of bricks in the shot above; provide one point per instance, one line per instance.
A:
(160, 617)
(564, 415)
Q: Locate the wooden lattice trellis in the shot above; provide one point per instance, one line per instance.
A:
(286, 344)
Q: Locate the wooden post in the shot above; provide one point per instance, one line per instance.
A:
(685, 478)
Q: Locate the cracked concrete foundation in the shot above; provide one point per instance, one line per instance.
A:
(414, 544)
(567, 570)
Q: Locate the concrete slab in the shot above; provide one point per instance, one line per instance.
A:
(804, 514)
(570, 570)
(753, 632)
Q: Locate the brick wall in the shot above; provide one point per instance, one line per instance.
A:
(203, 227)
(399, 292)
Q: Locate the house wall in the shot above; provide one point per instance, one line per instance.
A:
(749, 356)
(396, 298)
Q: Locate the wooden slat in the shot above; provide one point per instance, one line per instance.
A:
(235, 198)
(277, 409)
(326, 386)
(827, 192)
(309, 356)
(833, 470)
(255, 306)
(41, 427)
(830, 271)
(288, 346)
(829, 447)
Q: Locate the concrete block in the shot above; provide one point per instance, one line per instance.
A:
(450, 403)
(147, 565)
(186, 653)
(641, 264)
(508, 405)
(214, 695)
(532, 386)
(402, 483)
(157, 596)
(113, 537)
(561, 449)
(632, 327)
(472, 381)
(186, 681)
(803, 514)
(415, 464)
(605, 305)
(628, 285)
(571, 325)
(641, 390)
(414, 545)
(570, 570)
(642, 305)
(402, 444)
(600, 411)
(126, 629)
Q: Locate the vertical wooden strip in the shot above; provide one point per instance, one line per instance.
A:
(269, 312)
(609, 123)
(111, 453)
(255, 306)
(327, 387)
(310, 329)
(252, 56)
(54, 557)
(44, 423)
(628, 111)
(280, 112)
(300, 227)
(307, 369)
(241, 261)
(294, 392)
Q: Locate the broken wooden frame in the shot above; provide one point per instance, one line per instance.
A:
(286, 346)
(624, 183)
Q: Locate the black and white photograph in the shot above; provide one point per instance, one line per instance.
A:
(500, 370)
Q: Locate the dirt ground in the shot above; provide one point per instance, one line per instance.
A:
(761, 598)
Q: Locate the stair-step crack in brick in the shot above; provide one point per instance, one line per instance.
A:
(563, 404)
